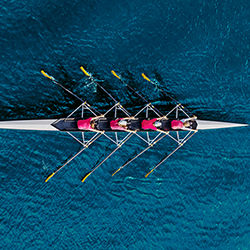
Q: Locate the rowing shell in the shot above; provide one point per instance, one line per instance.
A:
(69, 125)
(50, 125)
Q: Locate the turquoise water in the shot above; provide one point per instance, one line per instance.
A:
(198, 51)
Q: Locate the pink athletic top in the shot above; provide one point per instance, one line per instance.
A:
(176, 124)
(84, 124)
(149, 124)
(115, 126)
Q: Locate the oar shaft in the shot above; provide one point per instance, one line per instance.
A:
(85, 147)
(67, 90)
(105, 159)
(164, 92)
(139, 154)
(105, 90)
(99, 85)
(136, 157)
(112, 153)
(91, 79)
(133, 90)
(53, 79)
(119, 146)
(72, 158)
(144, 150)
(144, 99)
(164, 159)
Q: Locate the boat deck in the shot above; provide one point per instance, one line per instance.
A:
(70, 124)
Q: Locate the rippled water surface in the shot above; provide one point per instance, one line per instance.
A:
(198, 51)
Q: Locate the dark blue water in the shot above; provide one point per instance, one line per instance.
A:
(198, 51)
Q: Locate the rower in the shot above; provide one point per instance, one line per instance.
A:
(183, 124)
(153, 124)
(121, 124)
(88, 124)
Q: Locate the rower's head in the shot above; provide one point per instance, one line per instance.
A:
(123, 123)
(92, 124)
(157, 124)
(186, 124)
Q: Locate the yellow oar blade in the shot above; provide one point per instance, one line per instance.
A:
(49, 177)
(116, 171)
(86, 176)
(149, 173)
(146, 78)
(46, 75)
(113, 72)
(84, 71)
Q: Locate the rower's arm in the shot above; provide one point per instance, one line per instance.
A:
(163, 117)
(98, 131)
(190, 119)
(129, 118)
(128, 130)
(97, 117)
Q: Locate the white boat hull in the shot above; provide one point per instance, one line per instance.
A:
(45, 125)
(42, 125)
(203, 124)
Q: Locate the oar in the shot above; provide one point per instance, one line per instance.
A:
(133, 90)
(92, 80)
(151, 145)
(164, 159)
(86, 146)
(53, 79)
(147, 79)
(119, 146)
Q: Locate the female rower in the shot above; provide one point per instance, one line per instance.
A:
(153, 124)
(88, 124)
(121, 124)
(183, 124)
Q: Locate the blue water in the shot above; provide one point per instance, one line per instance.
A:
(198, 51)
